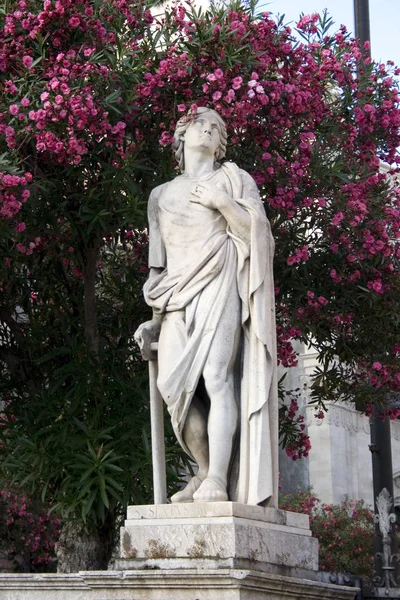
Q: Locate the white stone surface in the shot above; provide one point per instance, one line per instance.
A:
(218, 509)
(211, 290)
(340, 460)
(157, 437)
(217, 532)
(396, 487)
(216, 584)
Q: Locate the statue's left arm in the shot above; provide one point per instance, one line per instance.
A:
(237, 217)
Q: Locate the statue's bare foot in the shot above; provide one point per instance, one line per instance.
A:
(210, 491)
(186, 495)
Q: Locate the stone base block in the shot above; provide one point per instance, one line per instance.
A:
(179, 584)
(218, 535)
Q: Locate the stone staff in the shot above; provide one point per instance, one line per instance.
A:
(149, 352)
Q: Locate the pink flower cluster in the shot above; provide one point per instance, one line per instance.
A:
(26, 529)
(379, 375)
(66, 115)
(14, 193)
(301, 255)
(286, 354)
(298, 442)
(344, 532)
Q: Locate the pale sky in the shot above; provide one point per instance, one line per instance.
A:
(384, 20)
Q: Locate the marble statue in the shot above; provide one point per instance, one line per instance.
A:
(211, 291)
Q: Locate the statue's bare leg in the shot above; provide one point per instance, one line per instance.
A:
(222, 425)
(173, 340)
(196, 439)
(218, 376)
(208, 436)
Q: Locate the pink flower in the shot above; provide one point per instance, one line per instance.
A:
(27, 61)
(181, 107)
(230, 96)
(337, 219)
(301, 255)
(216, 96)
(166, 138)
(74, 22)
(14, 109)
(76, 272)
(25, 102)
(376, 286)
(237, 82)
(377, 366)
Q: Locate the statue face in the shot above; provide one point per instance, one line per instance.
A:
(203, 132)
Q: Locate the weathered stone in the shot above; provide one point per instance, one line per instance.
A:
(211, 289)
(216, 534)
(184, 584)
(217, 509)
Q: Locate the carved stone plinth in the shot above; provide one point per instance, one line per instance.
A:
(218, 535)
(211, 551)
(160, 584)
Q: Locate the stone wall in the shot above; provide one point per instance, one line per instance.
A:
(340, 461)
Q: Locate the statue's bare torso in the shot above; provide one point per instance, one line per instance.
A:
(185, 227)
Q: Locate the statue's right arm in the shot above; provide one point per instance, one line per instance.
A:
(158, 317)
(149, 332)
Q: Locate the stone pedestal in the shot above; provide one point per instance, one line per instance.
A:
(211, 551)
(218, 535)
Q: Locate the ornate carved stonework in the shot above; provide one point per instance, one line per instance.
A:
(340, 414)
(396, 488)
(343, 414)
(386, 519)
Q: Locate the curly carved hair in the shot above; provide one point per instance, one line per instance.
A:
(181, 127)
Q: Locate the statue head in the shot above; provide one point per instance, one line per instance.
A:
(184, 123)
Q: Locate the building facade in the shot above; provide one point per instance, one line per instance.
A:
(340, 461)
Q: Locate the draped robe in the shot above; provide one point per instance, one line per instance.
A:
(224, 264)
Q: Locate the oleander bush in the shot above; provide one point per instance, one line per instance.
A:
(28, 532)
(344, 532)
